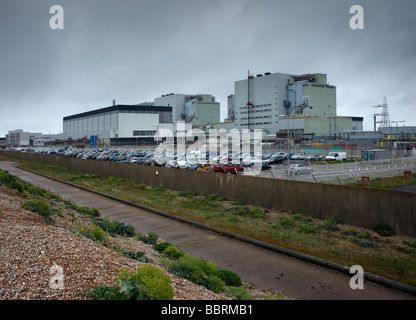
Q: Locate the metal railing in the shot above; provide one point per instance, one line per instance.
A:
(345, 172)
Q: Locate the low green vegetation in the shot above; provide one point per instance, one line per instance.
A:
(114, 227)
(43, 208)
(326, 239)
(146, 283)
(24, 188)
(383, 229)
(386, 183)
(204, 273)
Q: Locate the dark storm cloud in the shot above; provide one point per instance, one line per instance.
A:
(136, 50)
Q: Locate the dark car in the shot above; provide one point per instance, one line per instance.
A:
(265, 165)
(276, 159)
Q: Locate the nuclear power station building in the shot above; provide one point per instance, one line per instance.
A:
(281, 105)
(278, 102)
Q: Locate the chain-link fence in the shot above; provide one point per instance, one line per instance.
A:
(342, 172)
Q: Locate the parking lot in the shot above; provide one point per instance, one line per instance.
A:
(275, 165)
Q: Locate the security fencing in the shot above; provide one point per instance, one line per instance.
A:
(344, 172)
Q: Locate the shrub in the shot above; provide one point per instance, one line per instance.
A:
(238, 293)
(216, 284)
(38, 206)
(115, 227)
(158, 189)
(383, 229)
(233, 219)
(363, 243)
(94, 212)
(349, 232)
(107, 225)
(172, 252)
(139, 256)
(210, 268)
(410, 244)
(298, 216)
(160, 247)
(147, 283)
(194, 269)
(8, 179)
(306, 228)
(94, 233)
(16, 186)
(188, 194)
(149, 238)
(256, 213)
(202, 272)
(190, 268)
(71, 205)
(243, 210)
(36, 191)
(286, 222)
(211, 197)
(229, 277)
(405, 249)
(125, 230)
(209, 205)
(41, 207)
(331, 224)
(363, 235)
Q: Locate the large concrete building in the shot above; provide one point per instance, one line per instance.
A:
(278, 102)
(119, 123)
(197, 109)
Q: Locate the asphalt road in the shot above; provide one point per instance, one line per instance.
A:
(263, 268)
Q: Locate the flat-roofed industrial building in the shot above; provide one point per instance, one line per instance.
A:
(119, 123)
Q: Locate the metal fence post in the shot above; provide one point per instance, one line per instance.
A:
(327, 172)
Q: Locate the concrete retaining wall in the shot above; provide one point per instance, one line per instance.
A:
(356, 206)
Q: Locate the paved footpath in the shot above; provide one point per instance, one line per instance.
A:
(261, 267)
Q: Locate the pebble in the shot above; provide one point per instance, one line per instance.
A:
(30, 247)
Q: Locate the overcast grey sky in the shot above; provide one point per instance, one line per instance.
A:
(136, 50)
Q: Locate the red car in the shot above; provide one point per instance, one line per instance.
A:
(217, 167)
(232, 168)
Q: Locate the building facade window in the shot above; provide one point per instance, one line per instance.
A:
(143, 133)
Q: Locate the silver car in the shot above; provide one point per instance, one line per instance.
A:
(299, 169)
(297, 156)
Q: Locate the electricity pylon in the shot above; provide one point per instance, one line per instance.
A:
(385, 117)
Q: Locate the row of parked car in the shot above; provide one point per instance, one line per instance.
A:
(216, 162)
(224, 162)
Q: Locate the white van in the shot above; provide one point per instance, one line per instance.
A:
(336, 156)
